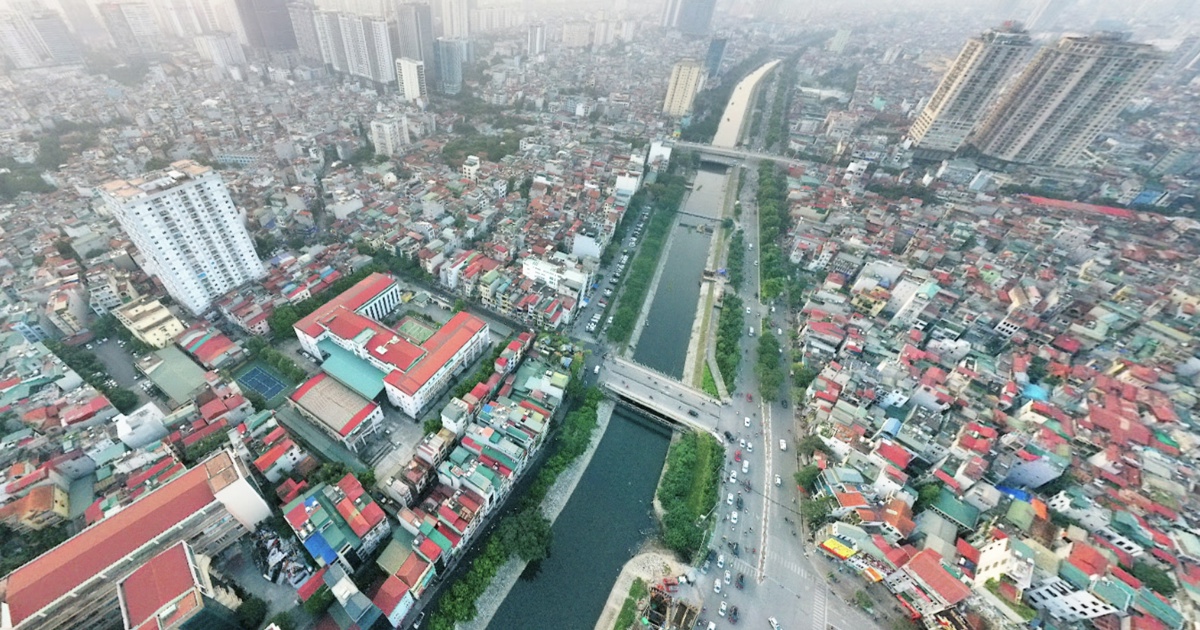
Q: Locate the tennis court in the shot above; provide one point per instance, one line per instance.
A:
(261, 381)
(414, 330)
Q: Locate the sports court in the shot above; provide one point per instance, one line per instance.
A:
(414, 330)
(262, 381)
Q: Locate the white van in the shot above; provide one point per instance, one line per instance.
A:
(782, 444)
(751, 331)
(745, 466)
(597, 370)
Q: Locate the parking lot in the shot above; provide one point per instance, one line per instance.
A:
(119, 363)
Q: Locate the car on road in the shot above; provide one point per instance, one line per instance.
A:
(742, 442)
(728, 436)
(737, 456)
(728, 577)
(712, 625)
(724, 605)
(774, 623)
(755, 263)
(749, 397)
(608, 292)
(749, 447)
(717, 586)
(778, 480)
(747, 422)
(729, 499)
(745, 466)
(692, 413)
(721, 561)
(733, 476)
(740, 504)
(89, 346)
(782, 444)
(417, 622)
(747, 310)
(741, 581)
(733, 517)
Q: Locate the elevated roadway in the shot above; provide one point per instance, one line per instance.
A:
(738, 154)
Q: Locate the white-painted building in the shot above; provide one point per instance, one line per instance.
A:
(390, 135)
(410, 74)
(191, 236)
(1062, 601)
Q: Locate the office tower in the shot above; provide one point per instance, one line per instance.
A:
(390, 135)
(686, 78)
(454, 18)
(1065, 97)
(267, 24)
(716, 53)
(56, 37)
(132, 25)
(304, 26)
(414, 24)
(410, 75)
(968, 88)
(449, 55)
(222, 49)
(535, 39)
(185, 225)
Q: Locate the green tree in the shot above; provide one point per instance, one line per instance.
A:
(527, 534)
(319, 602)
(927, 495)
(256, 399)
(807, 477)
(123, 399)
(1155, 578)
(252, 612)
(284, 620)
(816, 511)
(460, 305)
(432, 425)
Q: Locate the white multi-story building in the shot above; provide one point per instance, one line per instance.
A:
(686, 79)
(968, 88)
(410, 75)
(1061, 601)
(455, 19)
(535, 37)
(1005, 557)
(183, 221)
(1064, 98)
(561, 272)
(222, 49)
(390, 135)
(133, 26)
(361, 46)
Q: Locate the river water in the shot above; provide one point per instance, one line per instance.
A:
(609, 516)
(663, 344)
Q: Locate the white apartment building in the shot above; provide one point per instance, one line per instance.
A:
(1062, 601)
(470, 168)
(357, 45)
(410, 75)
(561, 272)
(687, 77)
(968, 88)
(183, 221)
(1064, 98)
(1005, 557)
(390, 135)
(222, 49)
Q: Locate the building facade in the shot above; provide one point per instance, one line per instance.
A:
(410, 76)
(184, 223)
(968, 88)
(390, 135)
(149, 321)
(132, 25)
(1064, 98)
(266, 24)
(686, 79)
(74, 585)
(449, 56)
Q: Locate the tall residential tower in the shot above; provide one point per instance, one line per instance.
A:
(183, 221)
(1064, 98)
(968, 88)
(686, 78)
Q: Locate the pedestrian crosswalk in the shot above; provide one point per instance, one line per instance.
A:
(819, 613)
(792, 566)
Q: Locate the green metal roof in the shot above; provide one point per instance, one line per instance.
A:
(1164, 612)
(957, 510)
(357, 374)
(1020, 514)
(1117, 593)
(1073, 575)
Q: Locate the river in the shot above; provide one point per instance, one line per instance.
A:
(609, 516)
(663, 344)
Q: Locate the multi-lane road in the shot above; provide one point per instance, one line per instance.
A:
(780, 580)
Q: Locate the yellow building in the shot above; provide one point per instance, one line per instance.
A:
(149, 321)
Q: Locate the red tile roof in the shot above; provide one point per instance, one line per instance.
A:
(444, 344)
(155, 584)
(927, 566)
(353, 298)
(390, 594)
(58, 571)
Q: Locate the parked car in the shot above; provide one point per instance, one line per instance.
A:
(721, 561)
(745, 466)
(782, 444)
(729, 499)
(778, 480)
(733, 518)
(724, 605)
(747, 422)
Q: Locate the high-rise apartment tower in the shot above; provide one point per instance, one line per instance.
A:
(686, 79)
(1064, 98)
(184, 223)
(968, 88)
